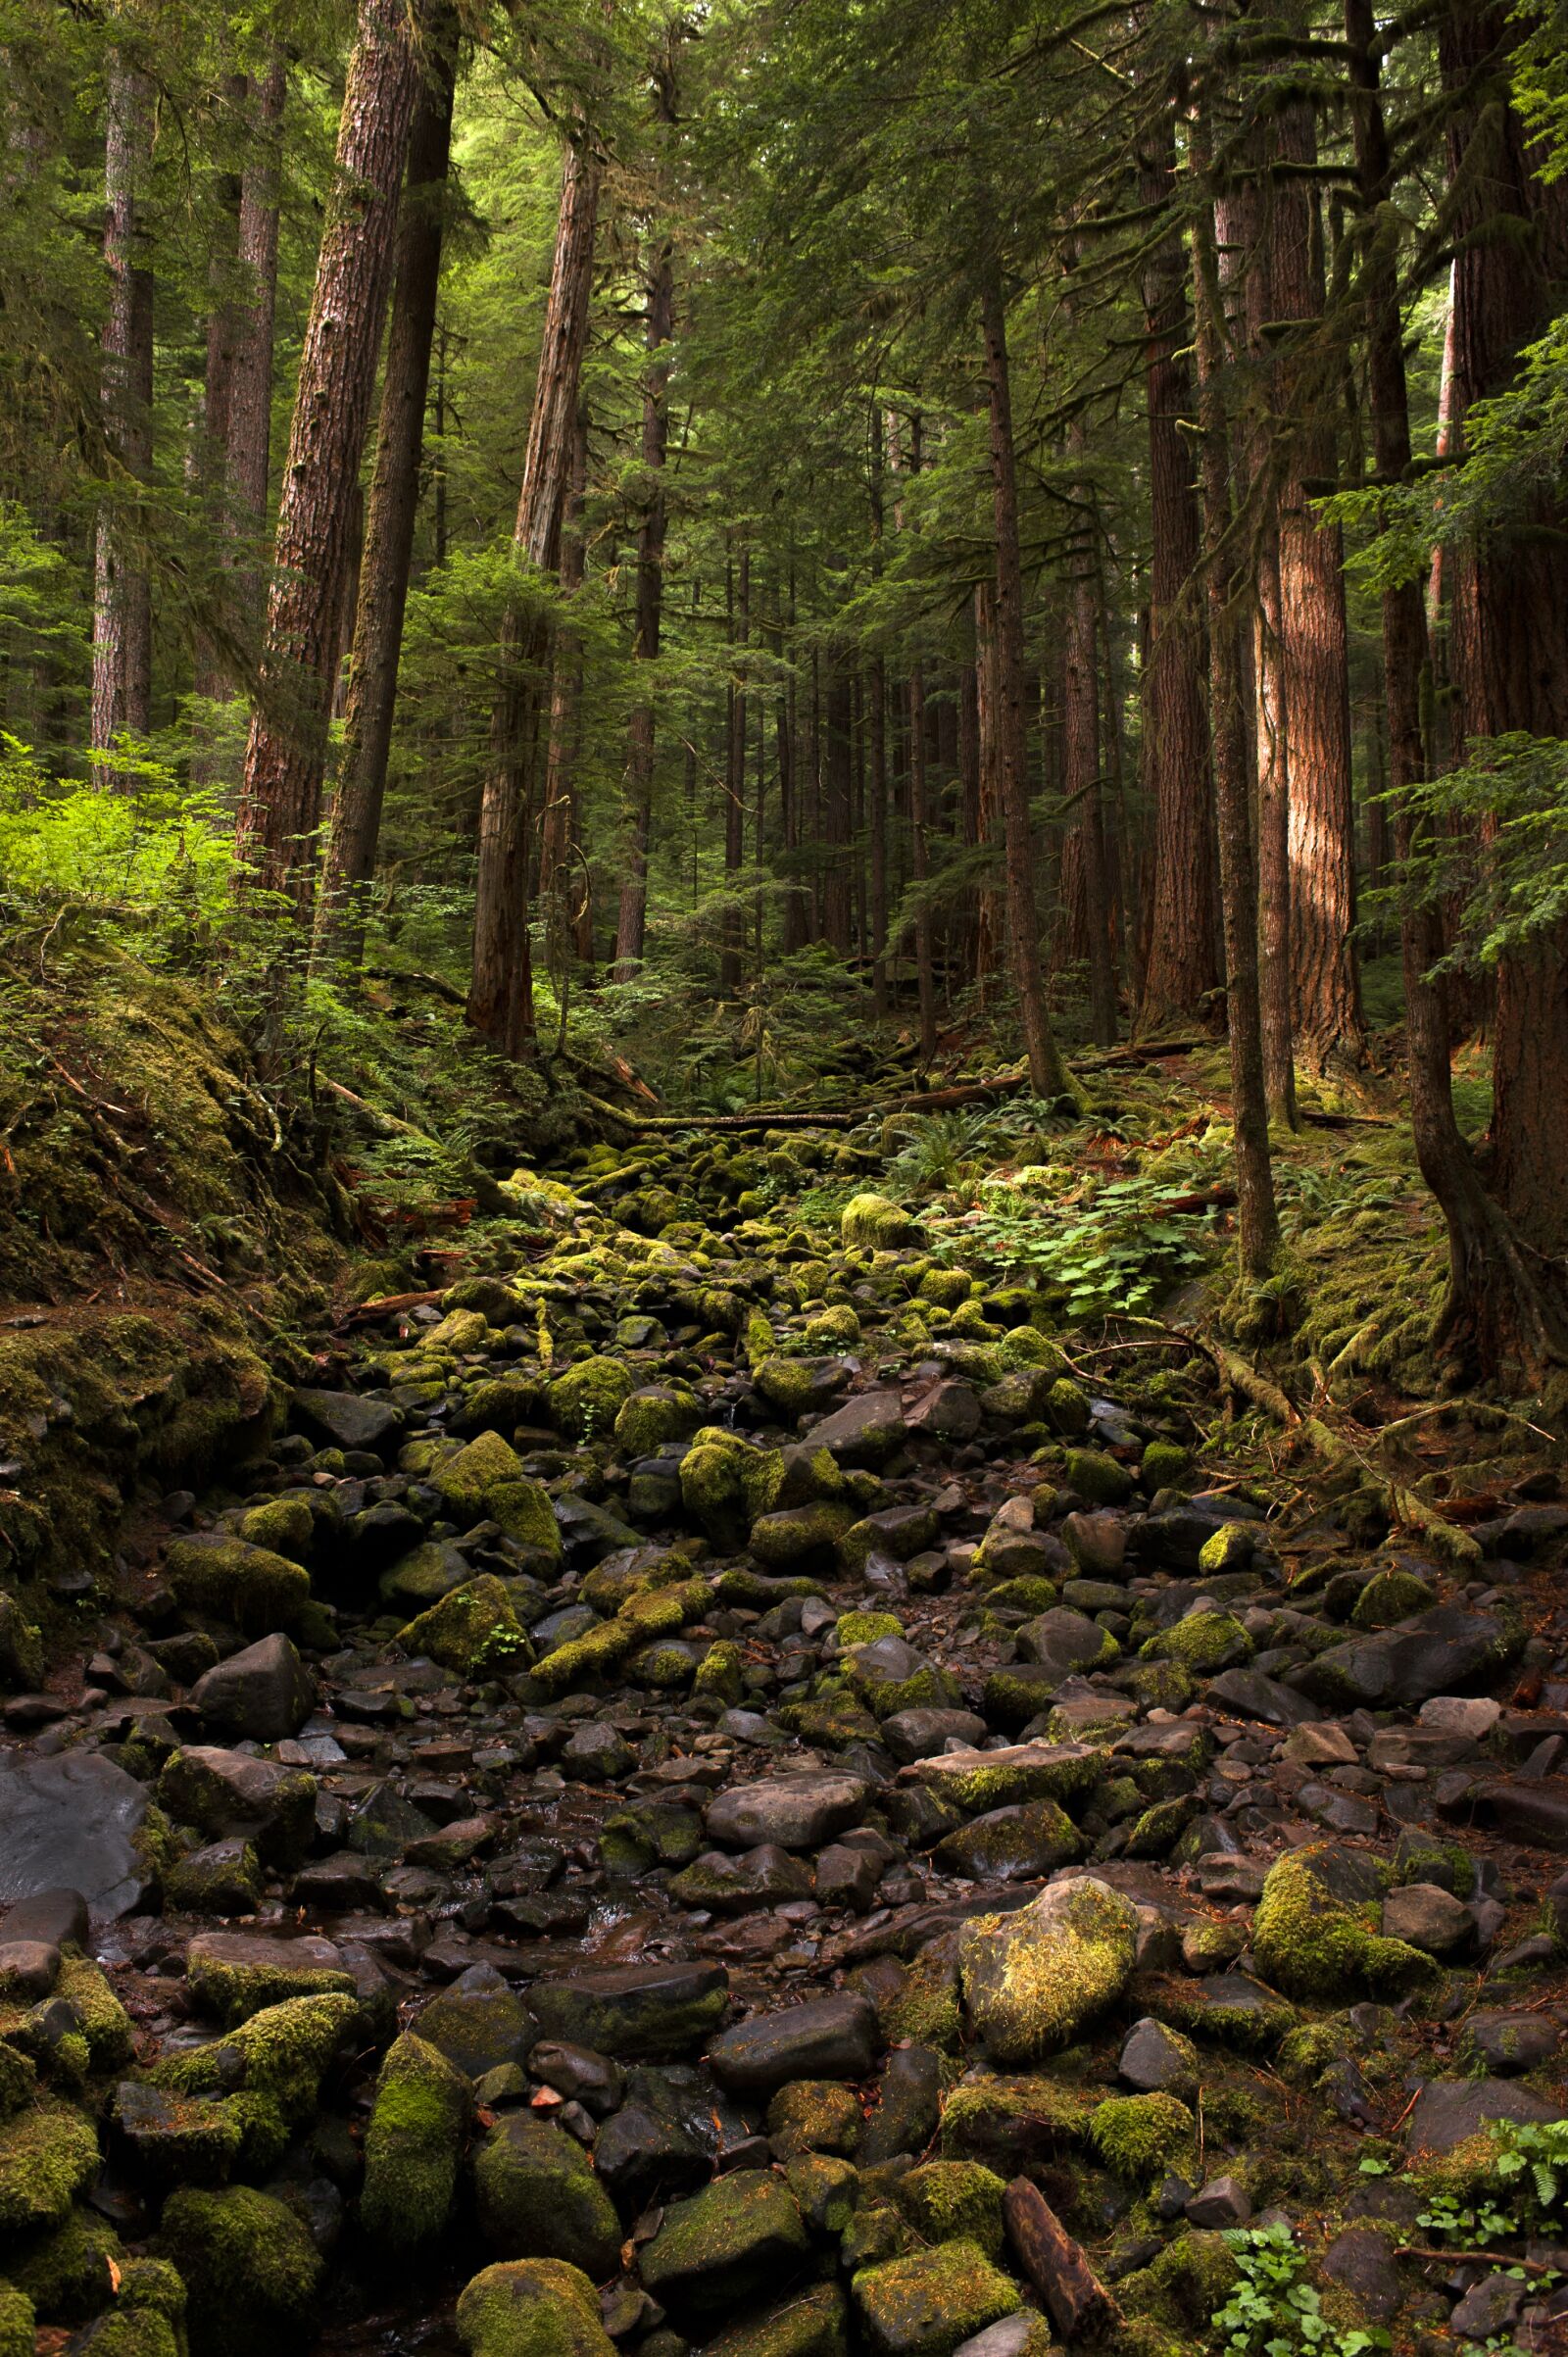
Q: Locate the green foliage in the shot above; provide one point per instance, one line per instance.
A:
(1273, 2311)
(151, 858)
(1522, 2186)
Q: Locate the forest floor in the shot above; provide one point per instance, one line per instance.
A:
(798, 1717)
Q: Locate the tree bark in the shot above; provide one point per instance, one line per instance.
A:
(989, 920)
(1510, 662)
(559, 837)
(501, 989)
(837, 717)
(920, 859)
(738, 605)
(1182, 966)
(247, 467)
(123, 613)
(1257, 1217)
(1326, 986)
(1046, 1073)
(1494, 1297)
(285, 757)
(658, 326)
(212, 680)
(1081, 762)
(387, 553)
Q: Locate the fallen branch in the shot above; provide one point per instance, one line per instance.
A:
(1080, 2305)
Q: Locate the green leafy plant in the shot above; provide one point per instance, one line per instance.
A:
(1526, 2186)
(1113, 1251)
(1273, 2311)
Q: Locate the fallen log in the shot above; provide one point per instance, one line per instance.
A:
(1080, 2305)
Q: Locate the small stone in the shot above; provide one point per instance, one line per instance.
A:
(265, 1692)
(1157, 2060)
(1472, 1715)
(1223, 2202)
(1429, 1918)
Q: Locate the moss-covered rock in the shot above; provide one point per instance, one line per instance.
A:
(469, 1624)
(18, 2337)
(531, 2308)
(954, 2201)
(1183, 2288)
(722, 1673)
(871, 1220)
(585, 1403)
(269, 2068)
(1202, 1642)
(100, 2016)
(1314, 1931)
(48, 2155)
(794, 1537)
(813, 2114)
(1140, 2137)
(537, 2197)
(257, 1591)
(727, 1484)
(810, 2324)
(724, 2245)
(1012, 2122)
(68, 2273)
(413, 2146)
(22, 1663)
(232, 1976)
(1390, 1596)
(250, 2270)
(1031, 1982)
(925, 2304)
(651, 1415)
(1099, 1479)
(603, 1649)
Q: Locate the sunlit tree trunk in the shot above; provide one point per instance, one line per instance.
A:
(286, 755)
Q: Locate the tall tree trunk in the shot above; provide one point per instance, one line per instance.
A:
(285, 757)
(1081, 764)
(989, 924)
(967, 762)
(249, 443)
(1510, 667)
(122, 615)
(559, 835)
(1494, 1293)
(1257, 1213)
(1182, 967)
(921, 856)
(212, 673)
(738, 611)
(658, 326)
(878, 830)
(387, 553)
(838, 712)
(1244, 256)
(1047, 1075)
(500, 990)
(1326, 984)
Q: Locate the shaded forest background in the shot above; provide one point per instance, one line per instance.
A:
(740, 543)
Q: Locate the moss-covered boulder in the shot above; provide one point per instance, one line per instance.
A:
(586, 1402)
(536, 2197)
(811, 2323)
(1315, 1932)
(1202, 1644)
(601, 1650)
(724, 2245)
(469, 1625)
(18, 2336)
(250, 2270)
(1390, 1596)
(464, 1480)
(728, 1483)
(1140, 2138)
(871, 1221)
(1033, 1981)
(652, 1415)
(531, 2308)
(233, 1975)
(954, 2201)
(813, 2114)
(227, 1578)
(269, 2070)
(800, 1536)
(48, 2155)
(925, 2304)
(413, 2146)
(22, 1662)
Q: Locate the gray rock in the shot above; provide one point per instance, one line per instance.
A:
(1486, 2308)
(265, 1692)
(1062, 1639)
(1360, 2260)
(950, 1412)
(1434, 1653)
(1157, 2061)
(344, 1420)
(922, 1733)
(1223, 2201)
(1426, 1917)
(791, 1812)
(1512, 2043)
(847, 1878)
(909, 2106)
(1474, 1715)
(1249, 1694)
(1448, 2110)
(69, 1820)
(59, 1918)
(864, 1431)
(478, 2022)
(827, 2038)
(636, 2012)
(1008, 2338)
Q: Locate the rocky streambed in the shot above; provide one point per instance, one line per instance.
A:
(711, 1793)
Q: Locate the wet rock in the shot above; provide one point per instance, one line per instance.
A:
(930, 2302)
(1012, 1844)
(764, 1876)
(637, 2012)
(536, 2197)
(787, 1812)
(344, 1420)
(1428, 1918)
(1157, 2060)
(1361, 2262)
(413, 2147)
(1031, 1982)
(265, 1692)
(827, 2038)
(479, 2024)
(738, 2238)
(909, 2105)
(71, 1818)
(224, 1878)
(531, 2308)
(847, 1878)
(250, 2269)
(1436, 1653)
(865, 1431)
(1488, 2308)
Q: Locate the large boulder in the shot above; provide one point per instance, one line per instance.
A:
(71, 1820)
(1033, 1981)
(265, 1692)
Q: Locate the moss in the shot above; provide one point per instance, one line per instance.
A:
(810, 2325)
(666, 1665)
(464, 1625)
(223, 1881)
(1139, 2137)
(1099, 1479)
(250, 2269)
(722, 1673)
(1029, 1592)
(836, 1329)
(21, 1658)
(586, 1400)
(103, 2020)
(813, 2114)
(954, 2201)
(801, 1535)
(523, 1512)
(1032, 1981)
(925, 2305)
(531, 2308)
(606, 1647)
(1310, 1943)
(724, 2244)
(464, 1480)
(1230, 1548)
(648, 1419)
(16, 2336)
(727, 1484)
(19, 2080)
(258, 1591)
(1008, 2120)
(536, 2197)
(1390, 1596)
(68, 2274)
(1157, 1684)
(1202, 1642)
(194, 1794)
(1163, 1465)
(1066, 1407)
(276, 2060)
(231, 1991)
(1182, 2289)
(413, 2146)
(977, 1785)
(286, 1525)
(925, 2010)
(864, 1628)
(48, 2155)
(872, 1220)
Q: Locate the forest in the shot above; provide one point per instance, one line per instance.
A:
(783, 1178)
